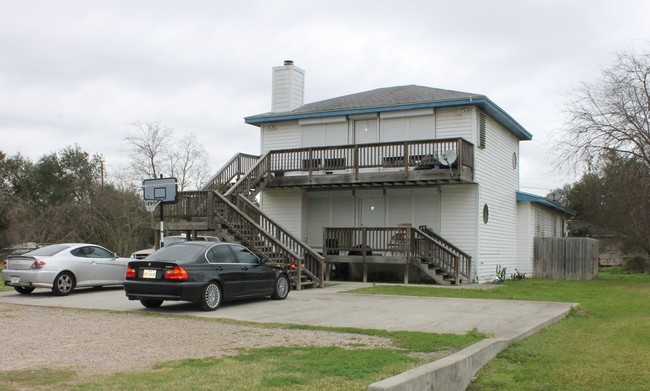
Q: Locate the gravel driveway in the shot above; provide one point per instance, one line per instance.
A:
(99, 342)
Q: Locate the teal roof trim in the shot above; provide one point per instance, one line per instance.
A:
(482, 102)
(526, 197)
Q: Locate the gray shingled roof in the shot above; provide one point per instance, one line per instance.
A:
(391, 99)
(384, 97)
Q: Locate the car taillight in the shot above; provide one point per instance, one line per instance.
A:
(176, 273)
(4, 263)
(38, 264)
(295, 266)
(130, 272)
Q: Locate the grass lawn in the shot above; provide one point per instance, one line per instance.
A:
(604, 344)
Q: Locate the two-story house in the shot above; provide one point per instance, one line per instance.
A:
(397, 183)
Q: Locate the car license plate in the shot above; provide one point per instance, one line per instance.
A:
(148, 273)
(15, 280)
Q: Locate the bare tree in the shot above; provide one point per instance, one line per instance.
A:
(149, 145)
(188, 163)
(607, 136)
(154, 149)
(609, 116)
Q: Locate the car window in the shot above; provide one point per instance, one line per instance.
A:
(81, 252)
(245, 255)
(179, 253)
(221, 254)
(98, 252)
(48, 250)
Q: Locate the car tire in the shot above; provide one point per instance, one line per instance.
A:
(151, 303)
(24, 290)
(63, 284)
(281, 288)
(211, 297)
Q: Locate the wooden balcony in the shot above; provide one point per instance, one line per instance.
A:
(407, 163)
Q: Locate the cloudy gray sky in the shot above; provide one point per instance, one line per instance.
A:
(79, 72)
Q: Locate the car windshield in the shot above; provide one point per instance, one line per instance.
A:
(180, 252)
(48, 250)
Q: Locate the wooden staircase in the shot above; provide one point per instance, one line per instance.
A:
(226, 205)
(442, 261)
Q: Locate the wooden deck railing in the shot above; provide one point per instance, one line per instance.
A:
(192, 205)
(398, 242)
(406, 154)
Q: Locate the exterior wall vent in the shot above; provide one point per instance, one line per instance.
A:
(481, 130)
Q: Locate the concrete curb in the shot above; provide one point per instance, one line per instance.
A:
(455, 372)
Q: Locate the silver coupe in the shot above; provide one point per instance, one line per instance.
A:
(64, 267)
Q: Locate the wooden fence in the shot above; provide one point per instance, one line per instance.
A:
(566, 258)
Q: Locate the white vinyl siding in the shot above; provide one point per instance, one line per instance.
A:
(407, 125)
(525, 235)
(414, 206)
(321, 134)
(280, 136)
(400, 209)
(284, 207)
(288, 88)
(319, 217)
(545, 223)
(535, 221)
(459, 216)
(456, 122)
(498, 182)
(426, 208)
(328, 209)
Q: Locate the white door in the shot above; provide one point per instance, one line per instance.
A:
(373, 212)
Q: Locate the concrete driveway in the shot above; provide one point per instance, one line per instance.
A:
(503, 319)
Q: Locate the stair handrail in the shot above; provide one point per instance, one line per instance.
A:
(237, 166)
(269, 225)
(247, 184)
(296, 262)
(460, 264)
(442, 241)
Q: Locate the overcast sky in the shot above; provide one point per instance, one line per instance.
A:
(80, 72)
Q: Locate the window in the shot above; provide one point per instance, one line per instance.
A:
(220, 254)
(486, 214)
(481, 130)
(244, 255)
(91, 252)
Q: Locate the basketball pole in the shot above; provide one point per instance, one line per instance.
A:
(162, 227)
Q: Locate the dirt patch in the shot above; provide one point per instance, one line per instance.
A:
(97, 342)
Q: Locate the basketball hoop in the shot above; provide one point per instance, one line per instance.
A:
(151, 205)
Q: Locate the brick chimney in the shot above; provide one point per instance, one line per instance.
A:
(288, 87)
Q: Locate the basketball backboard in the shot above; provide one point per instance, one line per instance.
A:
(162, 189)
